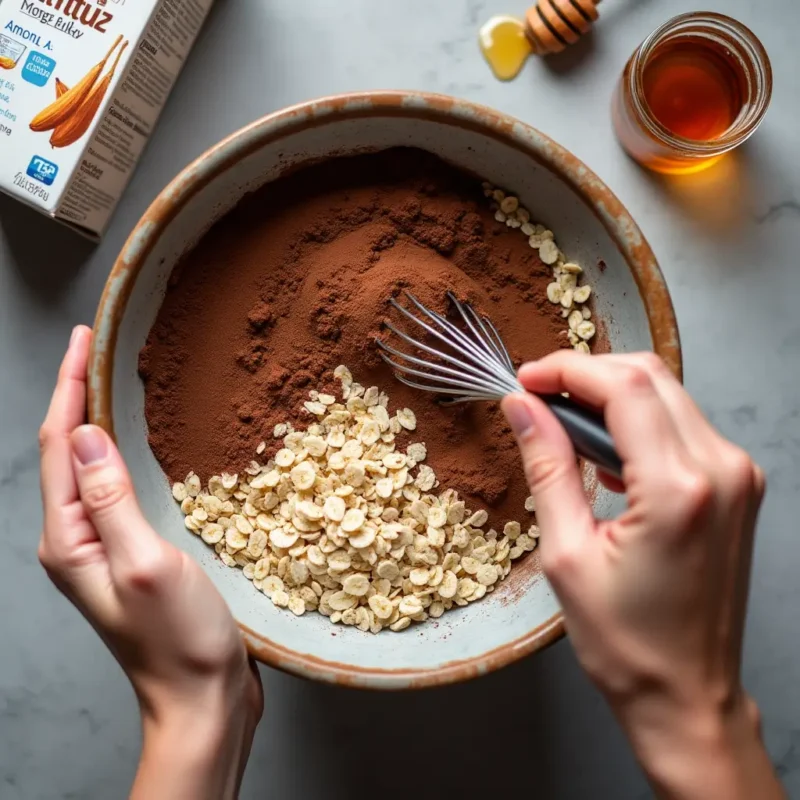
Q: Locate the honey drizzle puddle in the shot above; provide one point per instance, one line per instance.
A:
(505, 46)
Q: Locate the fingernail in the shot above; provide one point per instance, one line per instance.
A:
(89, 444)
(518, 414)
(74, 336)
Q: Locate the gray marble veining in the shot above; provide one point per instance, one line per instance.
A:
(728, 242)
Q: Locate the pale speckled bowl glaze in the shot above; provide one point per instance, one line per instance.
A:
(590, 223)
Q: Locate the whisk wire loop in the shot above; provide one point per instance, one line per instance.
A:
(481, 382)
(465, 370)
(467, 347)
(483, 337)
(491, 333)
(474, 347)
(481, 367)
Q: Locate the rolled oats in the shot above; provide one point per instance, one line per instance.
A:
(549, 252)
(555, 291)
(582, 293)
(586, 330)
(407, 419)
(509, 204)
(400, 625)
(192, 485)
(352, 520)
(565, 289)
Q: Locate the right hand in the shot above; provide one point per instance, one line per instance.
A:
(655, 600)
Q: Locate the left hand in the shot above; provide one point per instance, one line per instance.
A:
(153, 606)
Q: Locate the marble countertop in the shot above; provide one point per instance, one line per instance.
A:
(728, 242)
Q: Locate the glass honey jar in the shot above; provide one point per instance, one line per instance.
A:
(695, 89)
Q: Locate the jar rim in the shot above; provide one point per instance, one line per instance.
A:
(748, 45)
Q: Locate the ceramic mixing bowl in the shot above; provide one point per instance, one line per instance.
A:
(592, 227)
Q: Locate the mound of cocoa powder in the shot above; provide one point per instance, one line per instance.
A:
(295, 281)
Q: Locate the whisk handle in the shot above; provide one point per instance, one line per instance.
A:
(588, 433)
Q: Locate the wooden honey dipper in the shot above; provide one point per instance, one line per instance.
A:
(553, 24)
(549, 26)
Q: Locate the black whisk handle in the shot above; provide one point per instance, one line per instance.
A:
(588, 433)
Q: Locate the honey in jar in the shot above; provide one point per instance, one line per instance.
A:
(695, 89)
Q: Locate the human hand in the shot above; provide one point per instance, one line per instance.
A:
(153, 606)
(655, 600)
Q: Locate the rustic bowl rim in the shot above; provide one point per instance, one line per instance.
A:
(422, 105)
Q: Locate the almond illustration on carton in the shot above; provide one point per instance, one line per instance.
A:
(79, 121)
(70, 101)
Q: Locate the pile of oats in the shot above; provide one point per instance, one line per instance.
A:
(565, 289)
(342, 522)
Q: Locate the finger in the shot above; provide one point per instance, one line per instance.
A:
(640, 424)
(548, 457)
(106, 492)
(593, 379)
(66, 412)
(702, 441)
(690, 420)
(75, 561)
(81, 573)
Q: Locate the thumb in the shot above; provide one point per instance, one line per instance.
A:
(107, 495)
(562, 509)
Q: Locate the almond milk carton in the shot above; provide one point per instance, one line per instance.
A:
(81, 87)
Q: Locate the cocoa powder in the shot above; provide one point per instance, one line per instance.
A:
(295, 281)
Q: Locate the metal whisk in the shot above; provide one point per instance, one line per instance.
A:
(475, 365)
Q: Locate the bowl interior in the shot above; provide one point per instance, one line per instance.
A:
(524, 608)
